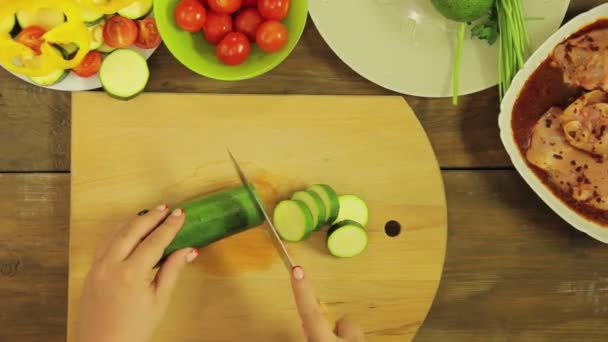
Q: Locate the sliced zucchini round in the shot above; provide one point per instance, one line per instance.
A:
(346, 239)
(124, 74)
(7, 24)
(137, 10)
(90, 16)
(104, 48)
(68, 50)
(96, 35)
(316, 206)
(329, 198)
(47, 18)
(50, 79)
(353, 208)
(293, 220)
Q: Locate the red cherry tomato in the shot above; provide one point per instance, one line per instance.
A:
(89, 65)
(248, 21)
(271, 36)
(233, 49)
(225, 6)
(250, 3)
(274, 9)
(148, 37)
(190, 15)
(217, 27)
(32, 38)
(119, 32)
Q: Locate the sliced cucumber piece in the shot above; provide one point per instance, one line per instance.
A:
(346, 239)
(47, 18)
(96, 35)
(353, 208)
(104, 48)
(50, 79)
(293, 220)
(7, 24)
(330, 200)
(124, 74)
(90, 16)
(315, 205)
(136, 10)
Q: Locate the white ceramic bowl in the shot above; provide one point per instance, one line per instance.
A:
(506, 133)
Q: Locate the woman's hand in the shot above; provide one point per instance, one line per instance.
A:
(120, 303)
(315, 324)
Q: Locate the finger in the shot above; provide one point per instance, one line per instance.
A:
(349, 330)
(150, 251)
(127, 238)
(315, 326)
(169, 273)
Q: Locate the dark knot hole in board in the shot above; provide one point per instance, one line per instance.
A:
(392, 228)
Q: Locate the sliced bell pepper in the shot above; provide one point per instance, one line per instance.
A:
(22, 60)
(107, 6)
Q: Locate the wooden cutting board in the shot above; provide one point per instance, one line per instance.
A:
(168, 148)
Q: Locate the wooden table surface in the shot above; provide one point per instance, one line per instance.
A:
(514, 270)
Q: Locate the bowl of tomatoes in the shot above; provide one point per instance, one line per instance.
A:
(230, 39)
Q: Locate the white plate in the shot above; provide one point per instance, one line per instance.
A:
(408, 47)
(506, 134)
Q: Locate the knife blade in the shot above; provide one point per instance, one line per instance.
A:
(271, 230)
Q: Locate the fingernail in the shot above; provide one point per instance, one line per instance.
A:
(298, 273)
(143, 212)
(177, 212)
(161, 207)
(191, 255)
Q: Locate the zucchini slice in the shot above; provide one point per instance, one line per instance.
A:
(96, 35)
(7, 24)
(346, 239)
(68, 50)
(316, 206)
(293, 220)
(137, 10)
(329, 198)
(104, 48)
(47, 18)
(90, 16)
(50, 79)
(124, 74)
(353, 208)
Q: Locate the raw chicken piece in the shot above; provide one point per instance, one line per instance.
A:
(577, 173)
(584, 60)
(585, 123)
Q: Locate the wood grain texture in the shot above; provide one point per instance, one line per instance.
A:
(353, 143)
(34, 223)
(514, 271)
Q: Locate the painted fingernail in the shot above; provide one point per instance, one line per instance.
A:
(191, 255)
(162, 207)
(177, 212)
(143, 212)
(298, 273)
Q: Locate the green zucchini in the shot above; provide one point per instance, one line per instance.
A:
(137, 10)
(124, 74)
(104, 48)
(47, 18)
(7, 24)
(96, 35)
(216, 216)
(352, 208)
(329, 198)
(68, 50)
(346, 239)
(90, 16)
(316, 206)
(293, 220)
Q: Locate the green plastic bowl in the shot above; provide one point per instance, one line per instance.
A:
(193, 51)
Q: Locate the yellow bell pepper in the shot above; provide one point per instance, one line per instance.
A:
(107, 6)
(22, 60)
